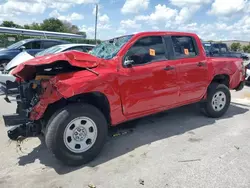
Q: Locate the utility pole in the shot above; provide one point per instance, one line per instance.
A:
(96, 16)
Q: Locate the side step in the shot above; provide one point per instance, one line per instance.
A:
(14, 120)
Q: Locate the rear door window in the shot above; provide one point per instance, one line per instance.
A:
(216, 48)
(36, 45)
(146, 50)
(184, 47)
(48, 44)
(223, 48)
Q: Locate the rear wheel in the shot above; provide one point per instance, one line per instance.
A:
(76, 134)
(218, 100)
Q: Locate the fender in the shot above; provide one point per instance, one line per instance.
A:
(226, 66)
(72, 84)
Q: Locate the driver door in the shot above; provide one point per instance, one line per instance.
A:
(149, 83)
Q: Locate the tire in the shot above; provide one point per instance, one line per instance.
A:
(218, 100)
(59, 126)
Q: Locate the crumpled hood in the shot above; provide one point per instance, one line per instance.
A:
(27, 69)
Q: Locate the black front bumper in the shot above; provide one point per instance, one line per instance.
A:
(21, 126)
(9, 89)
(240, 86)
(14, 120)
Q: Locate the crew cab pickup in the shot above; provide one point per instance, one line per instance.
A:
(73, 97)
(214, 49)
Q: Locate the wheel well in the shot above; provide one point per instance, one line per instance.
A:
(222, 79)
(97, 99)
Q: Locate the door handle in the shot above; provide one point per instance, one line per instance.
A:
(201, 64)
(167, 68)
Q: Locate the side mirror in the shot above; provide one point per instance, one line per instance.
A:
(128, 62)
(22, 48)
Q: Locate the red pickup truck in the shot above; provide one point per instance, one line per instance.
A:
(73, 97)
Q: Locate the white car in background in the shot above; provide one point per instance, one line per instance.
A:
(6, 75)
(248, 75)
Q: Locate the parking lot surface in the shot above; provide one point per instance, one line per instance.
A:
(177, 148)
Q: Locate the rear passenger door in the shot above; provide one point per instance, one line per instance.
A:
(192, 68)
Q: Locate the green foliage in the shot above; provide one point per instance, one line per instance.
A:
(50, 24)
(236, 46)
(246, 48)
(10, 24)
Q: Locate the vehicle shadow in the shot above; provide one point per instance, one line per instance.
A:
(135, 134)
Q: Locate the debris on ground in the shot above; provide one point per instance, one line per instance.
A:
(19, 141)
(237, 147)
(121, 133)
(192, 160)
(141, 181)
(91, 186)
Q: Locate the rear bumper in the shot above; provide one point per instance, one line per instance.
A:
(240, 86)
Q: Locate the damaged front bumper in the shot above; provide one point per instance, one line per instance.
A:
(26, 98)
(20, 126)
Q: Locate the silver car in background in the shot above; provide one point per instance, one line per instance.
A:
(6, 75)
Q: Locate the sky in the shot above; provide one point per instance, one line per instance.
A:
(210, 19)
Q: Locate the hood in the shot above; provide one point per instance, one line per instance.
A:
(4, 51)
(20, 58)
(76, 59)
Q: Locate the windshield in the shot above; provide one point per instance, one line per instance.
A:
(17, 44)
(51, 50)
(108, 49)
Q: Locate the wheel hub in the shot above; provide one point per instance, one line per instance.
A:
(219, 101)
(79, 134)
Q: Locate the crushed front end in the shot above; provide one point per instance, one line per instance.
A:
(29, 94)
(40, 83)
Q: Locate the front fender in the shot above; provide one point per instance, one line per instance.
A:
(69, 85)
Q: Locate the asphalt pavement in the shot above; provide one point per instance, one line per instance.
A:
(177, 148)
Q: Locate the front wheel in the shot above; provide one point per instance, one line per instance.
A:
(76, 134)
(218, 100)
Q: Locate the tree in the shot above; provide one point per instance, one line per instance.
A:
(236, 46)
(10, 24)
(35, 26)
(52, 24)
(246, 48)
